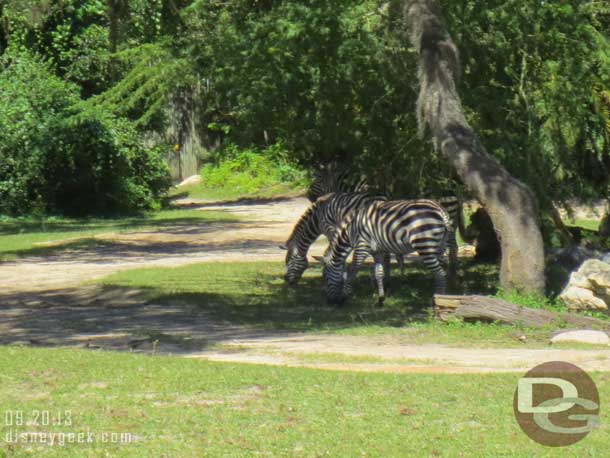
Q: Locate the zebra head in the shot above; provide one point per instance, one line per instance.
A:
(296, 264)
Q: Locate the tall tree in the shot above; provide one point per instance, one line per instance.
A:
(510, 203)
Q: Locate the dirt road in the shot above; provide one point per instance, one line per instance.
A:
(265, 225)
(43, 303)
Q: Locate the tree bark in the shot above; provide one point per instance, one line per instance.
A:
(492, 309)
(511, 204)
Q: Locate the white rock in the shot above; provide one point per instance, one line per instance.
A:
(194, 179)
(589, 287)
(577, 298)
(585, 336)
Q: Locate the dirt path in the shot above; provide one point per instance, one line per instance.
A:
(265, 225)
(42, 304)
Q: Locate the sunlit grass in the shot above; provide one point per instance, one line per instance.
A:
(178, 407)
(199, 191)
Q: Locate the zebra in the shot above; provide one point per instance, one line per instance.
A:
(397, 227)
(333, 178)
(322, 217)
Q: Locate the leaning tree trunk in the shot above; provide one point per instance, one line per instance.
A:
(510, 203)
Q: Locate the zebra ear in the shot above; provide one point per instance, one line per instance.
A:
(283, 247)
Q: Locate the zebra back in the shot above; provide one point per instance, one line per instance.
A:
(397, 227)
(334, 178)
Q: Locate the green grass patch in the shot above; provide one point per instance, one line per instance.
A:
(177, 407)
(199, 191)
(248, 173)
(30, 235)
(254, 294)
(591, 225)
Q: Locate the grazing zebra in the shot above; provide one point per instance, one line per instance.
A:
(333, 178)
(322, 217)
(397, 227)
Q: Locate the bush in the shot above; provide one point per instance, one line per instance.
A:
(56, 159)
(249, 171)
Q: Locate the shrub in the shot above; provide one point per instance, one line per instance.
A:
(55, 159)
(248, 171)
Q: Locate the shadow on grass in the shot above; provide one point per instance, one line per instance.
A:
(37, 238)
(187, 309)
(163, 219)
(91, 250)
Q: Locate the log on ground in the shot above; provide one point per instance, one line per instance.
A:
(491, 309)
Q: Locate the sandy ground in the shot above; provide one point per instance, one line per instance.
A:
(43, 303)
(270, 223)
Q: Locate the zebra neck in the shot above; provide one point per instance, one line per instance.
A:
(305, 232)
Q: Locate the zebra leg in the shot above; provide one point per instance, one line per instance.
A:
(387, 269)
(400, 260)
(358, 258)
(380, 260)
(433, 264)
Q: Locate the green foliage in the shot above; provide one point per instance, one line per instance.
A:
(532, 301)
(250, 171)
(533, 71)
(329, 79)
(151, 77)
(70, 34)
(55, 159)
(336, 79)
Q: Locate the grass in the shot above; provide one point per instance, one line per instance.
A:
(175, 407)
(592, 225)
(199, 191)
(254, 294)
(29, 235)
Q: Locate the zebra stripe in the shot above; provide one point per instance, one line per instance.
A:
(322, 217)
(397, 227)
(333, 178)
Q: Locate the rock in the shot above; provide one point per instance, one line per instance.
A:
(194, 179)
(606, 258)
(586, 336)
(589, 287)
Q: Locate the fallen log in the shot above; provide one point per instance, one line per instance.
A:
(490, 309)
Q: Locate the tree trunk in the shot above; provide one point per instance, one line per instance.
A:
(510, 203)
(492, 309)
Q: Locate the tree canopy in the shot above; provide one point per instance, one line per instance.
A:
(331, 79)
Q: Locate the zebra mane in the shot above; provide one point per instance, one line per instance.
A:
(308, 218)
